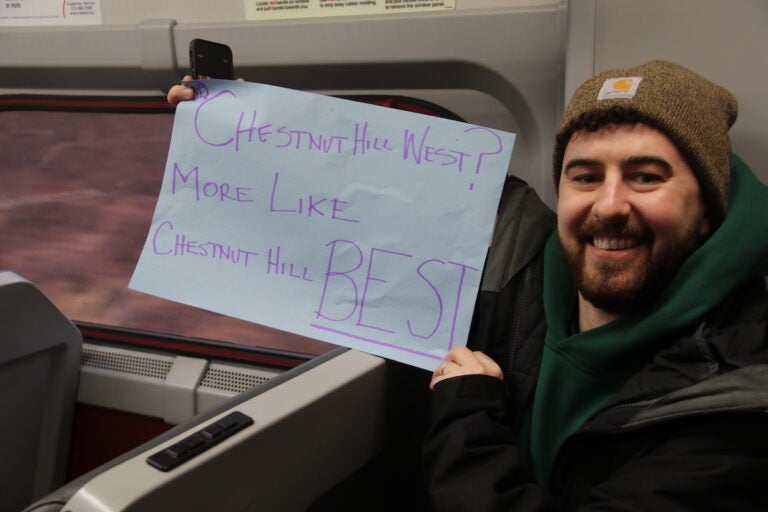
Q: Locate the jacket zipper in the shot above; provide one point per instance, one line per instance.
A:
(522, 300)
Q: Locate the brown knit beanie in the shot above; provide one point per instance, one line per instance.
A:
(692, 111)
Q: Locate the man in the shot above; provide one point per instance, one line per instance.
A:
(648, 389)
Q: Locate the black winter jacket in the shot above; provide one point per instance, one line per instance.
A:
(687, 433)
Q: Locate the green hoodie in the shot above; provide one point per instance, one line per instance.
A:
(580, 372)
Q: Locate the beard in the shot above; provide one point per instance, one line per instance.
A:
(622, 286)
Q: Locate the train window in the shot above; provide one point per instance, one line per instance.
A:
(80, 178)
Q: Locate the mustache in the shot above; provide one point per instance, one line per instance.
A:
(594, 227)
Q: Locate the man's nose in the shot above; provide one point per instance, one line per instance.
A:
(612, 200)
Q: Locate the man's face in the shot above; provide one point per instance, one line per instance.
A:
(630, 212)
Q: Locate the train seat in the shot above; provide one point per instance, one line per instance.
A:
(39, 365)
(296, 439)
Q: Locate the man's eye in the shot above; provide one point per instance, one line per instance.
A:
(585, 178)
(647, 179)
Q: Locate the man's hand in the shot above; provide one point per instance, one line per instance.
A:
(180, 92)
(463, 361)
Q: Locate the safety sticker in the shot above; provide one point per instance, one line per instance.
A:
(19, 13)
(285, 9)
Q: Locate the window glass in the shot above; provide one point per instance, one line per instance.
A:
(77, 195)
(76, 201)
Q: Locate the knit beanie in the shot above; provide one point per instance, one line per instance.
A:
(692, 111)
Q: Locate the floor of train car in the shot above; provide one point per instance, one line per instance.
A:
(77, 197)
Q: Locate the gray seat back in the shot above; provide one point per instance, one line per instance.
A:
(39, 362)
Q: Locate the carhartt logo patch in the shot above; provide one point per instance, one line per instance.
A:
(624, 87)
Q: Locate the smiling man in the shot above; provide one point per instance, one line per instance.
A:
(631, 212)
(648, 386)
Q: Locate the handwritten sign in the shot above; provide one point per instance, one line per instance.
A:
(354, 224)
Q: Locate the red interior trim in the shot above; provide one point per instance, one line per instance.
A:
(86, 103)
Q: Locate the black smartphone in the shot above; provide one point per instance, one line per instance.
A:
(208, 59)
